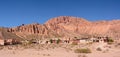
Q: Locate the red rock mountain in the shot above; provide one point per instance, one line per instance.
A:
(67, 26)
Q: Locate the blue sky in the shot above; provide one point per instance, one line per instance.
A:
(17, 12)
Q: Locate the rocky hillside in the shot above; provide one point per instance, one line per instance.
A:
(67, 26)
(34, 30)
(8, 35)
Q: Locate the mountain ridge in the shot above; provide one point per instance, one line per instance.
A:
(69, 26)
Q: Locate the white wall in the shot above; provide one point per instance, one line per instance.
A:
(1, 42)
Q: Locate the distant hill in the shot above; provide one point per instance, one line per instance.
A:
(68, 26)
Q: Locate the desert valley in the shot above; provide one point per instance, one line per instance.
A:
(63, 36)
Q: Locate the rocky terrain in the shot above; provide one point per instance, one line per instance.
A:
(68, 26)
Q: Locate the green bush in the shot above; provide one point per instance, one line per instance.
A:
(51, 41)
(110, 41)
(85, 50)
(58, 41)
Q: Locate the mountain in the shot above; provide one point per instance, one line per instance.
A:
(68, 26)
(34, 30)
(8, 35)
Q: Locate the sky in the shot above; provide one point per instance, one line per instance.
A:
(17, 12)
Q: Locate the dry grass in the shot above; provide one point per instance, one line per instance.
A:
(99, 49)
(82, 50)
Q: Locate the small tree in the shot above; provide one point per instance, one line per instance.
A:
(110, 40)
(23, 24)
(51, 41)
(58, 41)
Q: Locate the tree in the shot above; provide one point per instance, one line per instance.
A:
(51, 41)
(58, 41)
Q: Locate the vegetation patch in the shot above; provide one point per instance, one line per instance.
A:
(99, 49)
(82, 50)
(110, 41)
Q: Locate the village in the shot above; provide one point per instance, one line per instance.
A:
(71, 41)
(75, 40)
(88, 43)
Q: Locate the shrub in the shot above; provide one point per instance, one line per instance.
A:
(99, 49)
(58, 41)
(51, 41)
(118, 44)
(110, 41)
(85, 50)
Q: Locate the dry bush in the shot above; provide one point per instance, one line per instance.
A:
(99, 49)
(46, 54)
(83, 50)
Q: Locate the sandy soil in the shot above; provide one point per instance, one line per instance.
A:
(56, 52)
(110, 53)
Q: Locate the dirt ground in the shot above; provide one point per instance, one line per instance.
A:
(57, 52)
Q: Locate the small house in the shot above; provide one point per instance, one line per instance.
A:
(84, 40)
(8, 41)
(1, 42)
(99, 39)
